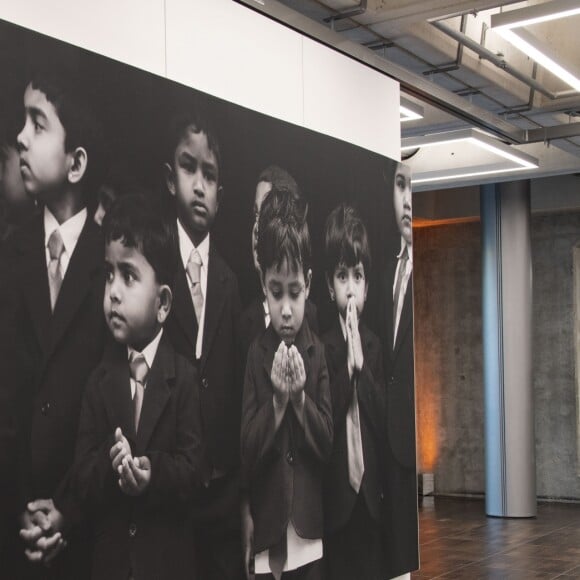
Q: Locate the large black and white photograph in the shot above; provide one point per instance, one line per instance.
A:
(206, 334)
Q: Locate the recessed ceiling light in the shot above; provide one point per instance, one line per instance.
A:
(501, 153)
(510, 25)
(410, 111)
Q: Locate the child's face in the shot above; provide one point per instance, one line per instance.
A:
(193, 180)
(348, 282)
(286, 292)
(44, 163)
(262, 190)
(403, 202)
(135, 304)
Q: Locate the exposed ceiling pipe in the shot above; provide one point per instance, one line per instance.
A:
(413, 84)
(487, 54)
(349, 12)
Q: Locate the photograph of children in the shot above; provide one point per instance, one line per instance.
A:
(206, 347)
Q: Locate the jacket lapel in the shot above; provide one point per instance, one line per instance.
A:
(116, 390)
(81, 276)
(406, 322)
(336, 346)
(157, 393)
(215, 295)
(35, 282)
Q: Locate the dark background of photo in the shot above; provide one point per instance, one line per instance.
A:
(135, 107)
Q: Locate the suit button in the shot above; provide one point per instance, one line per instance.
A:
(132, 530)
(45, 408)
(290, 457)
(204, 383)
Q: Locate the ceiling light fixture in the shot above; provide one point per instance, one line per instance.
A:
(410, 111)
(504, 157)
(510, 26)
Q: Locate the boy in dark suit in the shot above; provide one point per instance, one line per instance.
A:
(52, 323)
(400, 505)
(139, 453)
(274, 183)
(286, 417)
(353, 479)
(203, 326)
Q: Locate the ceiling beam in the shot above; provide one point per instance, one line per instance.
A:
(547, 134)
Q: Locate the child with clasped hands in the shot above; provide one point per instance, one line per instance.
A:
(288, 379)
(134, 472)
(138, 461)
(353, 482)
(286, 413)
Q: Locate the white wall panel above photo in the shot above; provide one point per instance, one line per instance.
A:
(350, 101)
(229, 51)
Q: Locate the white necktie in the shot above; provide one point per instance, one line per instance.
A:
(356, 465)
(55, 251)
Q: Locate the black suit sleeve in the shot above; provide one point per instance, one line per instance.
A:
(94, 479)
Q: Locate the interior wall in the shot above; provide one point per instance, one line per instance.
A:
(449, 365)
(232, 52)
(548, 194)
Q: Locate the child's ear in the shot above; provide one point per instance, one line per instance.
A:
(78, 167)
(330, 287)
(169, 178)
(307, 281)
(263, 282)
(165, 300)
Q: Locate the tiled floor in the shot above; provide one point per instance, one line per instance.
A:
(458, 541)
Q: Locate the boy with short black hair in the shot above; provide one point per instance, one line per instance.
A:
(203, 327)
(286, 417)
(353, 479)
(52, 317)
(139, 452)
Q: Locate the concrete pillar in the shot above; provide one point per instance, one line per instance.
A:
(510, 479)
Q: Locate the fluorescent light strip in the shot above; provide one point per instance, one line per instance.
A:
(525, 164)
(408, 115)
(409, 110)
(476, 138)
(505, 23)
(465, 175)
(446, 139)
(522, 160)
(519, 41)
(535, 14)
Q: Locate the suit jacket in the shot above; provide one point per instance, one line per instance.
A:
(339, 496)
(48, 357)
(252, 323)
(219, 366)
(147, 534)
(284, 468)
(400, 504)
(400, 373)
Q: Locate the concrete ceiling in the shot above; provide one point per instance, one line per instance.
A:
(462, 73)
